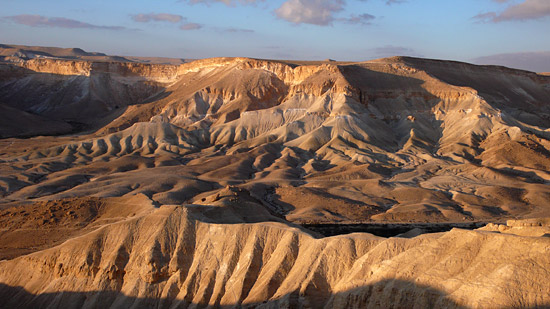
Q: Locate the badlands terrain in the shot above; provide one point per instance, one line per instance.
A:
(167, 183)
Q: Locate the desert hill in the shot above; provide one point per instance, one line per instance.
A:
(21, 53)
(188, 185)
(17, 53)
(220, 255)
(397, 139)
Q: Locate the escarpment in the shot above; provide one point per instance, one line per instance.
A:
(79, 93)
(191, 185)
(393, 128)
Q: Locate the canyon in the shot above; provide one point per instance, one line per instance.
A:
(174, 183)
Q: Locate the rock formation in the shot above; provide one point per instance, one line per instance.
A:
(186, 185)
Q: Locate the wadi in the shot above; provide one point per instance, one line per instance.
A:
(236, 182)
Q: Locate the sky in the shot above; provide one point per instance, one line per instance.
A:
(515, 33)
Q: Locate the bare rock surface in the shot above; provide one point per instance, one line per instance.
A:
(397, 139)
(201, 256)
(184, 184)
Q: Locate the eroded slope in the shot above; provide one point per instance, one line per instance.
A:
(397, 139)
(217, 255)
(182, 196)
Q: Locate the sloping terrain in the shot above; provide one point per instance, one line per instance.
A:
(185, 185)
(15, 122)
(219, 255)
(398, 139)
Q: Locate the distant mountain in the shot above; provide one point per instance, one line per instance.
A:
(22, 52)
(531, 61)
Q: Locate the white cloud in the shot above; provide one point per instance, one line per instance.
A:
(58, 22)
(316, 12)
(527, 10)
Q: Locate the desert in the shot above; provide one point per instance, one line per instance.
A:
(238, 182)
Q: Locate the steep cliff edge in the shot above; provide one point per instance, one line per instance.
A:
(79, 92)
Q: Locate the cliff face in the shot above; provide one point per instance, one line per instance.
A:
(59, 67)
(153, 72)
(80, 91)
(187, 185)
(404, 129)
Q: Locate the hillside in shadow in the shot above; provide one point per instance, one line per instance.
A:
(384, 294)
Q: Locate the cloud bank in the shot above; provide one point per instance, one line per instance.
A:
(167, 18)
(531, 61)
(527, 10)
(319, 12)
(58, 22)
(316, 12)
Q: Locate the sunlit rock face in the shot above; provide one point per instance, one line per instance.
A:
(181, 185)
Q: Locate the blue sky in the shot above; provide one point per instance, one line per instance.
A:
(284, 29)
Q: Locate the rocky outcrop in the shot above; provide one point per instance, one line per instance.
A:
(187, 185)
(80, 91)
(420, 140)
(192, 256)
